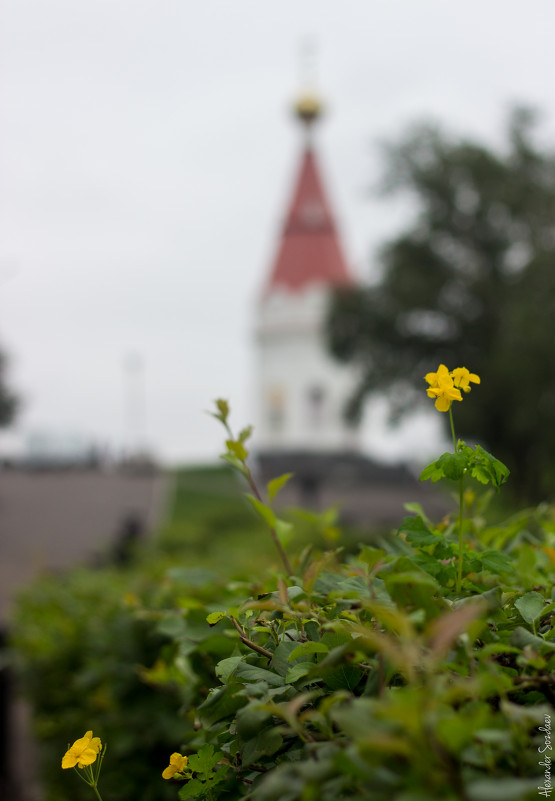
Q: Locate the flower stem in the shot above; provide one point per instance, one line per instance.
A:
(461, 508)
(97, 794)
(453, 430)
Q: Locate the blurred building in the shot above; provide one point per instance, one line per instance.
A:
(302, 391)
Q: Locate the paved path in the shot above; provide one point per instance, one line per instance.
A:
(53, 520)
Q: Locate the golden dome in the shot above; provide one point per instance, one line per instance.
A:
(308, 108)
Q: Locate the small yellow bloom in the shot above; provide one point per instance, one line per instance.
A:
(83, 751)
(442, 388)
(461, 378)
(444, 396)
(442, 376)
(178, 763)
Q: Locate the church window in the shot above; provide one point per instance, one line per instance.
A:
(316, 397)
(276, 409)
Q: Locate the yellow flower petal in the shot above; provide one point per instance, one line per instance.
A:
(169, 772)
(84, 751)
(462, 378)
(178, 763)
(442, 404)
(68, 760)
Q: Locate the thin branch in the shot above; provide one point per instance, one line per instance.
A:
(249, 643)
(273, 532)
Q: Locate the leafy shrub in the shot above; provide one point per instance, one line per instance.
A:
(370, 679)
(420, 667)
(81, 652)
(394, 675)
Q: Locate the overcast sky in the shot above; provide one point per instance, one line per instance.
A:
(146, 157)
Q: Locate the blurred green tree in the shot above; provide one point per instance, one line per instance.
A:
(471, 282)
(8, 401)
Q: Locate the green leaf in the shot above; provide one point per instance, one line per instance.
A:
(223, 410)
(195, 788)
(205, 760)
(285, 531)
(298, 671)
(493, 648)
(274, 486)
(306, 648)
(484, 467)
(449, 465)
(264, 511)
(251, 673)
(499, 471)
(370, 556)
(281, 660)
(251, 720)
(491, 598)
(496, 562)
(521, 637)
(266, 743)
(226, 667)
(481, 473)
(417, 531)
(414, 590)
(356, 719)
(530, 606)
(431, 472)
(244, 434)
(346, 677)
(215, 617)
(452, 465)
(221, 703)
(237, 449)
(416, 509)
(234, 462)
(433, 565)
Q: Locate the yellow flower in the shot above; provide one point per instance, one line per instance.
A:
(177, 765)
(83, 751)
(461, 378)
(442, 388)
(442, 376)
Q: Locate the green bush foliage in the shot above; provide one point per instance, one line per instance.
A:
(365, 675)
(89, 654)
(370, 679)
(81, 652)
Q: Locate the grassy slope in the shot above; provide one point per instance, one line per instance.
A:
(210, 523)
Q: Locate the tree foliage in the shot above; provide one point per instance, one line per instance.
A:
(471, 281)
(8, 401)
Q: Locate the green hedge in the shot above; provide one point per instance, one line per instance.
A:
(358, 676)
(371, 679)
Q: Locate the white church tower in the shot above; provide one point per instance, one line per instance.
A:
(301, 390)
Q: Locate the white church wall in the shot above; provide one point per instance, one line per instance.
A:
(302, 391)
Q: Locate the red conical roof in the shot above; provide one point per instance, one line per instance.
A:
(310, 251)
